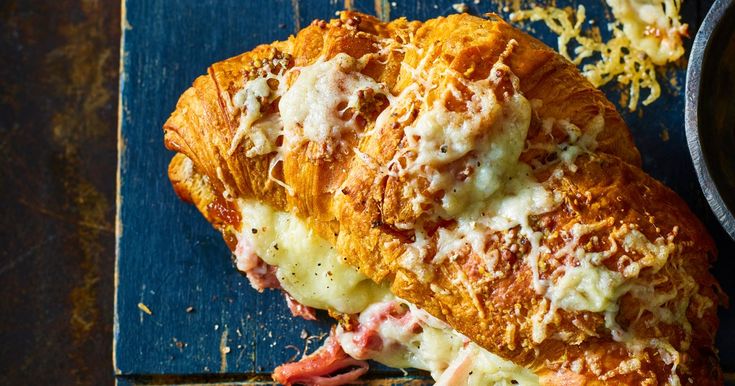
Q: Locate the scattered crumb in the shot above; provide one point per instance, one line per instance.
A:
(296, 349)
(461, 7)
(179, 344)
(476, 1)
(664, 135)
(216, 327)
(190, 309)
(144, 308)
(303, 334)
(393, 4)
(224, 349)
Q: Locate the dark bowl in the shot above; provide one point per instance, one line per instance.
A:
(710, 110)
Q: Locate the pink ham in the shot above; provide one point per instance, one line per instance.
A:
(261, 274)
(298, 309)
(366, 340)
(320, 367)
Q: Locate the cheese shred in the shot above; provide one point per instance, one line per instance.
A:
(644, 35)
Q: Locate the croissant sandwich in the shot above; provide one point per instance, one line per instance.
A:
(458, 197)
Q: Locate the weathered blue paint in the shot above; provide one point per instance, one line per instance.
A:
(170, 259)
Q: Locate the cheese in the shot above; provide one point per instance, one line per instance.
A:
(486, 136)
(312, 107)
(653, 27)
(470, 158)
(645, 34)
(494, 190)
(309, 268)
(586, 287)
(417, 339)
(249, 100)
(311, 271)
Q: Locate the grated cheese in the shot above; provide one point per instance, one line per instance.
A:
(312, 107)
(262, 132)
(645, 34)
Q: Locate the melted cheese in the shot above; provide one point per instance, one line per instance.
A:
(263, 133)
(312, 107)
(653, 27)
(487, 137)
(450, 357)
(313, 273)
(309, 268)
(586, 287)
(499, 192)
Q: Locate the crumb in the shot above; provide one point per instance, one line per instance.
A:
(145, 308)
(664, 135)
(461, 7)
(179, 344)
(189, 309)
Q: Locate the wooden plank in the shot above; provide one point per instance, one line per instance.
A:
(58, 97)
(169, 258)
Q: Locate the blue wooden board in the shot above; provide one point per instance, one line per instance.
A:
(171, 260)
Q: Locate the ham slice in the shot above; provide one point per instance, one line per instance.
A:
(298, 309)
(328, 366)
(260, 274)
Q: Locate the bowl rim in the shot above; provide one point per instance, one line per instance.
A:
(712, 20)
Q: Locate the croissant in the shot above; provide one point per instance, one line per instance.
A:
(471, 171)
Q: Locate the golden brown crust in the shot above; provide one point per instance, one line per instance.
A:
(351, 205)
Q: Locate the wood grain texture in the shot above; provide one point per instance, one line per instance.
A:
(170, 259)
(58, 101)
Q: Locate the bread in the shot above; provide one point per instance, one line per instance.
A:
(474, 171)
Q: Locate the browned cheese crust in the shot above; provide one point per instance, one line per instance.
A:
(357, 209)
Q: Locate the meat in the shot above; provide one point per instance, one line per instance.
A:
(263, 275)
(459, 370)
(298, 309)
(368, 336)
(260, 274)
(328, 366)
